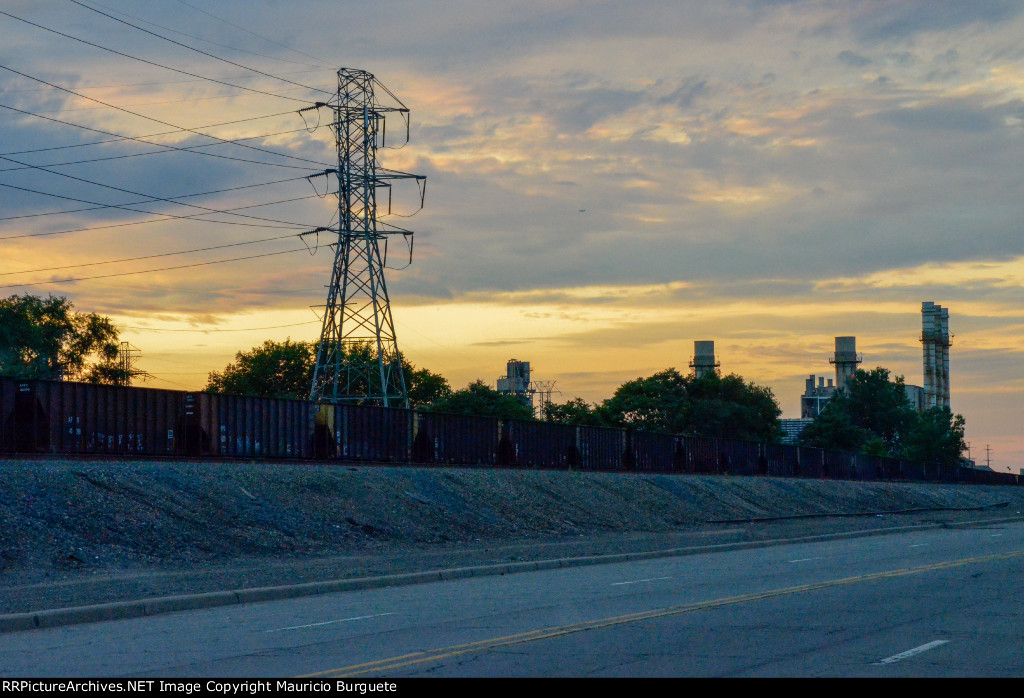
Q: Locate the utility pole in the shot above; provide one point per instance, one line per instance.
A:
(357, 356)
(988, 457)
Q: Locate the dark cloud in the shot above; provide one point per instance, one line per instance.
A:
(962, 115)
(853, 60)
(901, 19)
(688, 92)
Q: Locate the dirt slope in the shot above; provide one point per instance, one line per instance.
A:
(59, 517)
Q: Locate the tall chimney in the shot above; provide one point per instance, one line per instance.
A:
(845, 360)
(703, 358)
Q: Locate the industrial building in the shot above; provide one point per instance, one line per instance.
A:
(792, 428)
(815, 396)
(516, 381)
(846, 360)
(704, 361)
(935, 343)
(935, 393)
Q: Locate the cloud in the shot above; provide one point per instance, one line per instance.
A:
(853, 60)
(770, 174)
(900, 20)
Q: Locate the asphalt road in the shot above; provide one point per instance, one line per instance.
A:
(923, 604)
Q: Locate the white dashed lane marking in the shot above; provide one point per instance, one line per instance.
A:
(651, 579)
(911, 653)
(328, 622)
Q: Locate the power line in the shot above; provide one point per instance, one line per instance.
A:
(245, 329)
(132, 203)
(205, 41)
(166, 217)
(180, 385)
(65, 110)
(118, 137)
(148, 62)
(150, 271)
(151, 213)
(192, 48)
(150, 152)
(158, 121)
(151, 197)
(259, 36)
(149, 256)
(163, 82)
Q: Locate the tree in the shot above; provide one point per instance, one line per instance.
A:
(46, 338)
(655, 403)
(938, 437)
(481, 400)
(575, 411)
(833, 428)
(873, 415)
(273, 369)
(728, 407)
(285, 370)
(423, 386)
(725, 407)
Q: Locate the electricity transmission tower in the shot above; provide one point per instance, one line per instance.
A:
(357, 357)
(127, 355)
(544, 389)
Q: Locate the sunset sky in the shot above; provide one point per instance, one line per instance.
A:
(607, 183)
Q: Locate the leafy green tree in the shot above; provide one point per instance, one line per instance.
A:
(938, 437)
(575, 411)
(273, 369)
(655, 403)
(874, 416)
(285, 370)
(880, 406)
(45, 338)
(481, 400)
(711, 405)
(728, 407)
(871, 415)
(423, 386)
(834, 428)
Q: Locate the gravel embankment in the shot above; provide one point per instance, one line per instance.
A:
(77, 531)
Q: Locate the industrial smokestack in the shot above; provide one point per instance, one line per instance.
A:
(845, 360)
(703, 358)
(935, 349)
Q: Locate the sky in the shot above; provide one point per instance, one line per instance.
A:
(607, 182)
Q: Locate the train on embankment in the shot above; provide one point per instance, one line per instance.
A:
(84, 419)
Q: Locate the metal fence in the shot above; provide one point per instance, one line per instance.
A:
(81, 419)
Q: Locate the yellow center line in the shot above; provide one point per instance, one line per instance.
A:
(414, 658)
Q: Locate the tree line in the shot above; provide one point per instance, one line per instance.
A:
(47, 339)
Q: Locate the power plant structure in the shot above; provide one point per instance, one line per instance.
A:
(704, 361)
(357, 356)
(815, 396)
(935, 340)
(846, 360)
(935, 343)
(516, 381)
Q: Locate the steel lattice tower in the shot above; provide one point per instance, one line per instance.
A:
(357, 356)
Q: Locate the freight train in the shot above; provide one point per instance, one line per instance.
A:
(67, 418)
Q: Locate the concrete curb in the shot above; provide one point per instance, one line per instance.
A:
(52, 618)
